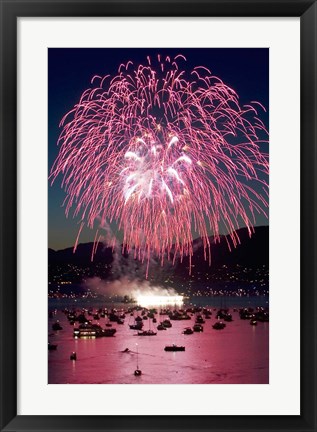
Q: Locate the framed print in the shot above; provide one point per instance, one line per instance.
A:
(157, 215)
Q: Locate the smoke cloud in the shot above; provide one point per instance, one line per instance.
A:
(125, 286)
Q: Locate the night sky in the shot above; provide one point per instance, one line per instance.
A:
(70, 71)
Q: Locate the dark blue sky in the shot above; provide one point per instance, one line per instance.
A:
(70, 70)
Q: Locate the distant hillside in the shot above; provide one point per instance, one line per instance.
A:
(252, 251)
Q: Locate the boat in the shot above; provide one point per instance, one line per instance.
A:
(154, 320)
(188, 331)
(166, 323)
(245, 314)
(57, 326)
(200, 320)
(220, 314)
(137, 371)
(52, 347)
(136, 326)
(73, 356)
(113, 317)
(198, 328)
(108, 332)
(174, 348)
(161, 327)
(219, 325)
(82, 318)
(86, 331)
(147, 333)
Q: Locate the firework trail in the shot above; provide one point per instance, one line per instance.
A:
(164, 154)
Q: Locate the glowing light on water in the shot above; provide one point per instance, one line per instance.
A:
(158, 300)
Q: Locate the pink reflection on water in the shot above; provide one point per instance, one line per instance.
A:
(239, 354)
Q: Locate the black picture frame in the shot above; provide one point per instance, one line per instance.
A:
(10, 11)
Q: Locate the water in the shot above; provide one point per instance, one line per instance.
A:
(236, 355)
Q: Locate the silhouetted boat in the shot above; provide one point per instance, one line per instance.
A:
(57, 326)
(51, 347)
(198, 328)
(219, 325)
(161, 327)
(136, 326)
(174, 348)
(187, 331)
(137, 371)
(166, 323)
(147, 333)
(108, 332)
(73, 356)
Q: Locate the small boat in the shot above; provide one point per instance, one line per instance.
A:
(166, 323)
(113, 317)
(137, 371)
(161, 327)
(57, 326)
(187, 331)
(198, 328)
(52, 347)
(200, 320)
(174, 348)
(154, 320)
(73, 356)
(108, 332)
(85, 331)
(147, 333)
(137, 326)
(220, 314)
(219, 325)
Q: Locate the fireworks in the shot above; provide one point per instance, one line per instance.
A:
(166, 155)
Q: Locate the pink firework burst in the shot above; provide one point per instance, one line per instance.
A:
(166, 155)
